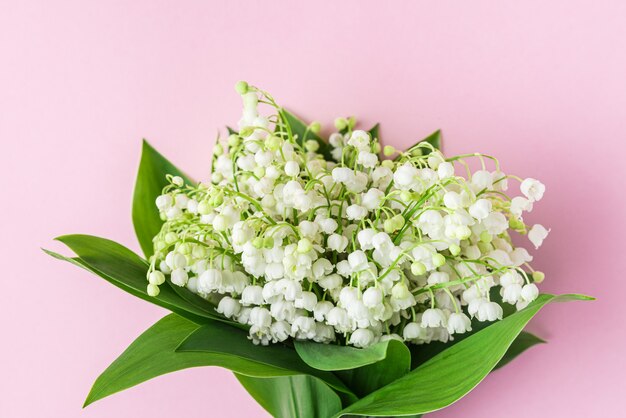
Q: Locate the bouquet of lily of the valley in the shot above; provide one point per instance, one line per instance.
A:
(334, 278)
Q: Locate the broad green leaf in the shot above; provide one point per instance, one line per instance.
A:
(420, 354)
(150, 182)
(451, 374)
(292, 396)
(367, 379)
(150, 355)
(523, 342)
(126, 270)
(153, 354)
(433, 139)
(332, 357)
(279, 359)
(299, 128)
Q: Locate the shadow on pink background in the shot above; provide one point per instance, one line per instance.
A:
(541, 85)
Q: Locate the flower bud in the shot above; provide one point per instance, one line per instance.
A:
(389, 226)
(273, 142)
(438, 260)
(184, 248)
(454, 249)
(156, 278)
(259, 171)
(538, 276)
(198, 251)
(160, 245)
(418, 268)
(483, 247)
(257, 242)
(204, 208)
(153, 290)
(388, 164)
(516, 224)
(216, 199)
(304, 245)
(486, 237)
(388, 151)
(406, 196)
(400, 291)
(341, 123)
(311, 145)
(171, 237)
(233, 140)
(398, 221)
(315, 127)
(241, 87)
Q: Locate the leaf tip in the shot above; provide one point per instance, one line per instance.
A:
(64, 238)
(89, 399)
(60, 238)
(575, 296)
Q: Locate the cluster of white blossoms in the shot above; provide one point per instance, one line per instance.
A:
(351, 248)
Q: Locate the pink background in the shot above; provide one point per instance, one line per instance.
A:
(540, 84)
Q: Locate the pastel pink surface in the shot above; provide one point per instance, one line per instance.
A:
(540, 85)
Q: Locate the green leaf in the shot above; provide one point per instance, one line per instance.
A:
(367, 379)
(126, 270)
(293, 396)
(299, 128)
(420, 354)
(153, 354)
(150, 355)
(433, 139)
(332, 357)
(149, 185)
(279, 359)
(451, 374)
(523, 342)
